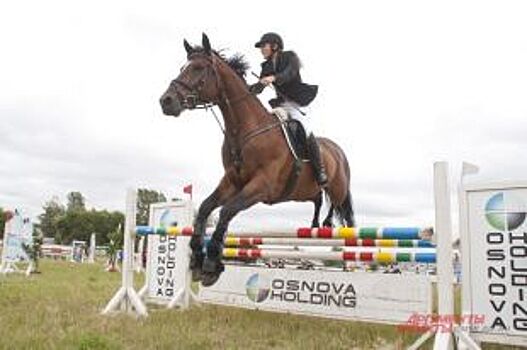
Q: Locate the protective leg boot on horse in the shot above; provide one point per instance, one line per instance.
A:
(212, 265)
(197, 257)
(316, 161)
(206, 268)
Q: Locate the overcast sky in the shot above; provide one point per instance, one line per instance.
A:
(402, 84)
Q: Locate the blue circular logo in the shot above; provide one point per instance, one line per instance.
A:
(168, 218)
(504, 215)
(257, 288)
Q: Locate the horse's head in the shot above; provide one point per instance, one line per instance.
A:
(198, 83)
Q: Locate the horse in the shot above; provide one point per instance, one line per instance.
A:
(258, 165)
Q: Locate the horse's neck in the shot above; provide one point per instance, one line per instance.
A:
(242, 113)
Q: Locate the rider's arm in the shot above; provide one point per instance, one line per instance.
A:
(256, 88)
(291, 69)
(259, 86)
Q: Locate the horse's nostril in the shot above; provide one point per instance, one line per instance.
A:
(165, 101)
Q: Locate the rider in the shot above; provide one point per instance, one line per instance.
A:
(282, 70)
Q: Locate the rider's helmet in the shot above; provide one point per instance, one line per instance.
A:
(270, 38)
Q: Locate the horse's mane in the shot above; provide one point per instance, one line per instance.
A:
(237, 62)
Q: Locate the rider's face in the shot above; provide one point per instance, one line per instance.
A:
(266, 50)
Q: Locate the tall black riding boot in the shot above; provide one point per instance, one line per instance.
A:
(316, 161)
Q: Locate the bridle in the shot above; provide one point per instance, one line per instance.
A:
(193, 99)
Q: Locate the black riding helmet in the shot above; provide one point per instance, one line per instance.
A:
(270, 38)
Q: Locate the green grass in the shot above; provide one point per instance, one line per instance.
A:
(60, 309)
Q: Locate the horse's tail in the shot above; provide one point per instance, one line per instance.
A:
(344, 210)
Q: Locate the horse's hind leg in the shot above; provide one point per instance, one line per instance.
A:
(316, 215)
(348, 212)
(328, 221)
(212, 265)
(345, 212)
(213, 201)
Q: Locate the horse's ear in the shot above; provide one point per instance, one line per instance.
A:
(205, 43)
(188, 47)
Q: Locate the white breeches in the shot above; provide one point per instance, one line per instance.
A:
(293, 109)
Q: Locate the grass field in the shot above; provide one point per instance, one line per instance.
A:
(60, 309)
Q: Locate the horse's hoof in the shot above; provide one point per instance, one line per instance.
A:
(212, 269)
(209, 278)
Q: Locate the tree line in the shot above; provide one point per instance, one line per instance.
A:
(73, 221)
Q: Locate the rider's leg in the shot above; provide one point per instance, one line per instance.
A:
(312, 145)
(316, 160)
(294, 111)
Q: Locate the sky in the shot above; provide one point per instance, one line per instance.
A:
(402, 84)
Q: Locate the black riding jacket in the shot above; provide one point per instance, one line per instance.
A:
(288, 83)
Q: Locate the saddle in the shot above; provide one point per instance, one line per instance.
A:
(294, 133)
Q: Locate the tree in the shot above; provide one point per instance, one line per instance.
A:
(73, 225)
(53, 212)
(79, 225)
(146, 197)
(103, 223)
(76, 202)
(75, 222)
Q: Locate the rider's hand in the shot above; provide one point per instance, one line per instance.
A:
(267, 80)
(256, 88)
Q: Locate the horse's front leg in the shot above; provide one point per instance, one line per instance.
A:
(221, 194)
(251, 194)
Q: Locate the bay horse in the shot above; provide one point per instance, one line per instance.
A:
(259, 167)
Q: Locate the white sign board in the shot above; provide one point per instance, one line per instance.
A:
(18, 231)
(496, 241)
(163, 270)
(388, 298)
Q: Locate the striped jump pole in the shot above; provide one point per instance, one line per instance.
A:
(318, 242)
(399, 233)
(382, 257)
(164, 231)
